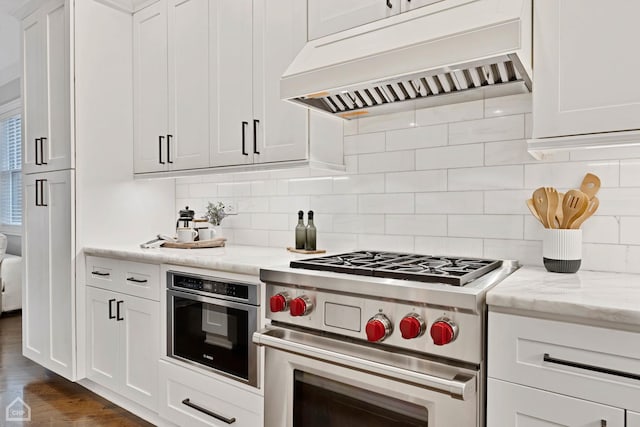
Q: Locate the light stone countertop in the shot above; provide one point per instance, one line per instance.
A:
(231, 258)
(593, 296)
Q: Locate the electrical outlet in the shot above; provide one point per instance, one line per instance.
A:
(231, 208)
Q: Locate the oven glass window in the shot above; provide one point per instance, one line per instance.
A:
(211, 335)
(320, 402)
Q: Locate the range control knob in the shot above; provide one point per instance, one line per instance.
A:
(443, 331)
(412, 326)
(279, 302)
(300, 306)
(378, 328)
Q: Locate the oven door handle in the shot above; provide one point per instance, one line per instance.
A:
(465, 389)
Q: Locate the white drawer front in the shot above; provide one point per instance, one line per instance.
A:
(512, 405)
(131, 278)
(588, 362)
(208, 395)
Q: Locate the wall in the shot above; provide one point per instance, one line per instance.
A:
(444, 180)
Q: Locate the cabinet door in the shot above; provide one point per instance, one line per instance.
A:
(231, 45)
(48, 312)
(150, 108)
(512, 405)
(279, 127)
(140, 349)
(633, 419)
(331, 16)
(578, 44)
(188, 41)
(406, 5)
(102, 338)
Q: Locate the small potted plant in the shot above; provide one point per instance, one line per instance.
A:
(215, 214)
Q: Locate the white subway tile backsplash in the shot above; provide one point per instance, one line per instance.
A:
(633, 255)
(203, 190)
(386, 203)
(234, 189)
(511, 153)
(262, 221)
(251, 237)
(487, 178)
(182, 191)
(609, 153)
(281, 239)
(569, 174)
(316, 185)
(486, 226)
(401, 120)
(630, 173)
(506, 202)
(350, 127)
(360, 224)
(334, 204)
(449, 246)
(395, 161)
(602, 257)
(386, 242)
(533, 229)
(413, 182)
(528, 126)
(351, 164)
(450, 113)
(508, 105)
(524, 251)
(450, 157)
(337, 241)
(358, 184)
(486, 130)
(601, 229)
(366, 143)
(288, 204)
(417, 137)
(255, 204)
(630, 231)
(452, 202)
(416, 225)
(619, 201)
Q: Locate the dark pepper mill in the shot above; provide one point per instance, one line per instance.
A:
(311, 234)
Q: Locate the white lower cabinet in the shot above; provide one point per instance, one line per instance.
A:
(191, 399)
(633, 419)
(123, 338)
(513, 405)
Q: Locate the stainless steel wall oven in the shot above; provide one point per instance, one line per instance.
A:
(210, 322)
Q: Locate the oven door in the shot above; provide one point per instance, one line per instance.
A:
(214, 334)
(315, 381)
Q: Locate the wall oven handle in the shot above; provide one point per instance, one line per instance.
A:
(465, 389)
(199, 408)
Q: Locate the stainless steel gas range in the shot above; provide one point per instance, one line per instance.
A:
(377, 339)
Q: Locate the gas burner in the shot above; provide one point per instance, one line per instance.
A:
(404, 266)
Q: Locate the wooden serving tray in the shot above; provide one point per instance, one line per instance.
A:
(213, 243)
(303, 251)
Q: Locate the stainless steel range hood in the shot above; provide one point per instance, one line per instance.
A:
(447, 52)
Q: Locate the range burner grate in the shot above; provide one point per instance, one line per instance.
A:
(404, 266)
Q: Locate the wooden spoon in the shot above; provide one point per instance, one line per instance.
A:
(542, 206)
(559, 213)
(591, 208)
(574, 204)
(590, 185)
(552, 206)
(533, 210)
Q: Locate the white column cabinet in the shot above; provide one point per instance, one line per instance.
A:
(633, 419)
(122, 339)
(585, 63)
(513, 405)
(46, 88)
(332, 16)
(171, 103)
(48, 295)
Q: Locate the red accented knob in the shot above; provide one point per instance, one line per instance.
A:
(279, 302)
(443, 332)
(300, 306)
(412, 326)
(378, 328)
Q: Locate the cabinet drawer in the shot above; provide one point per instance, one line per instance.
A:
(131, 278)
(510, 405)
(593, 363)
(192, 399)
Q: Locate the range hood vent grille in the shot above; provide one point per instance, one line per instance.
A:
(384, 96)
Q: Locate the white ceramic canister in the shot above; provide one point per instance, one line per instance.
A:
(562, 250)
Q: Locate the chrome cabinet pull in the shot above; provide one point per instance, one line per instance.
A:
(578, 365)
(199, 408)
(133, 279)
(111, 301)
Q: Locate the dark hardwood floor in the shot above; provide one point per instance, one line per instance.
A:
(54, 401)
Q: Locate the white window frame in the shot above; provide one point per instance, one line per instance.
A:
(7, 110)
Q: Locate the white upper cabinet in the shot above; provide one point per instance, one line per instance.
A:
(171, 105)
(585, 64)
(332, 16)
(406, 5)
(45, 51)
(633, 419)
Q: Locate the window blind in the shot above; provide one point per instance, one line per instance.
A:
(10, 170)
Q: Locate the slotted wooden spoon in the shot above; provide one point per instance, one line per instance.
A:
(574, 203)
(590, 185)
(591, 208)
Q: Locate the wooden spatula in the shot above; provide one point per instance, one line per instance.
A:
(574, 204)
(533, 210)
(542, 206)
(591, 208)
(552, 206)
(559, 213)
(590, 185)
